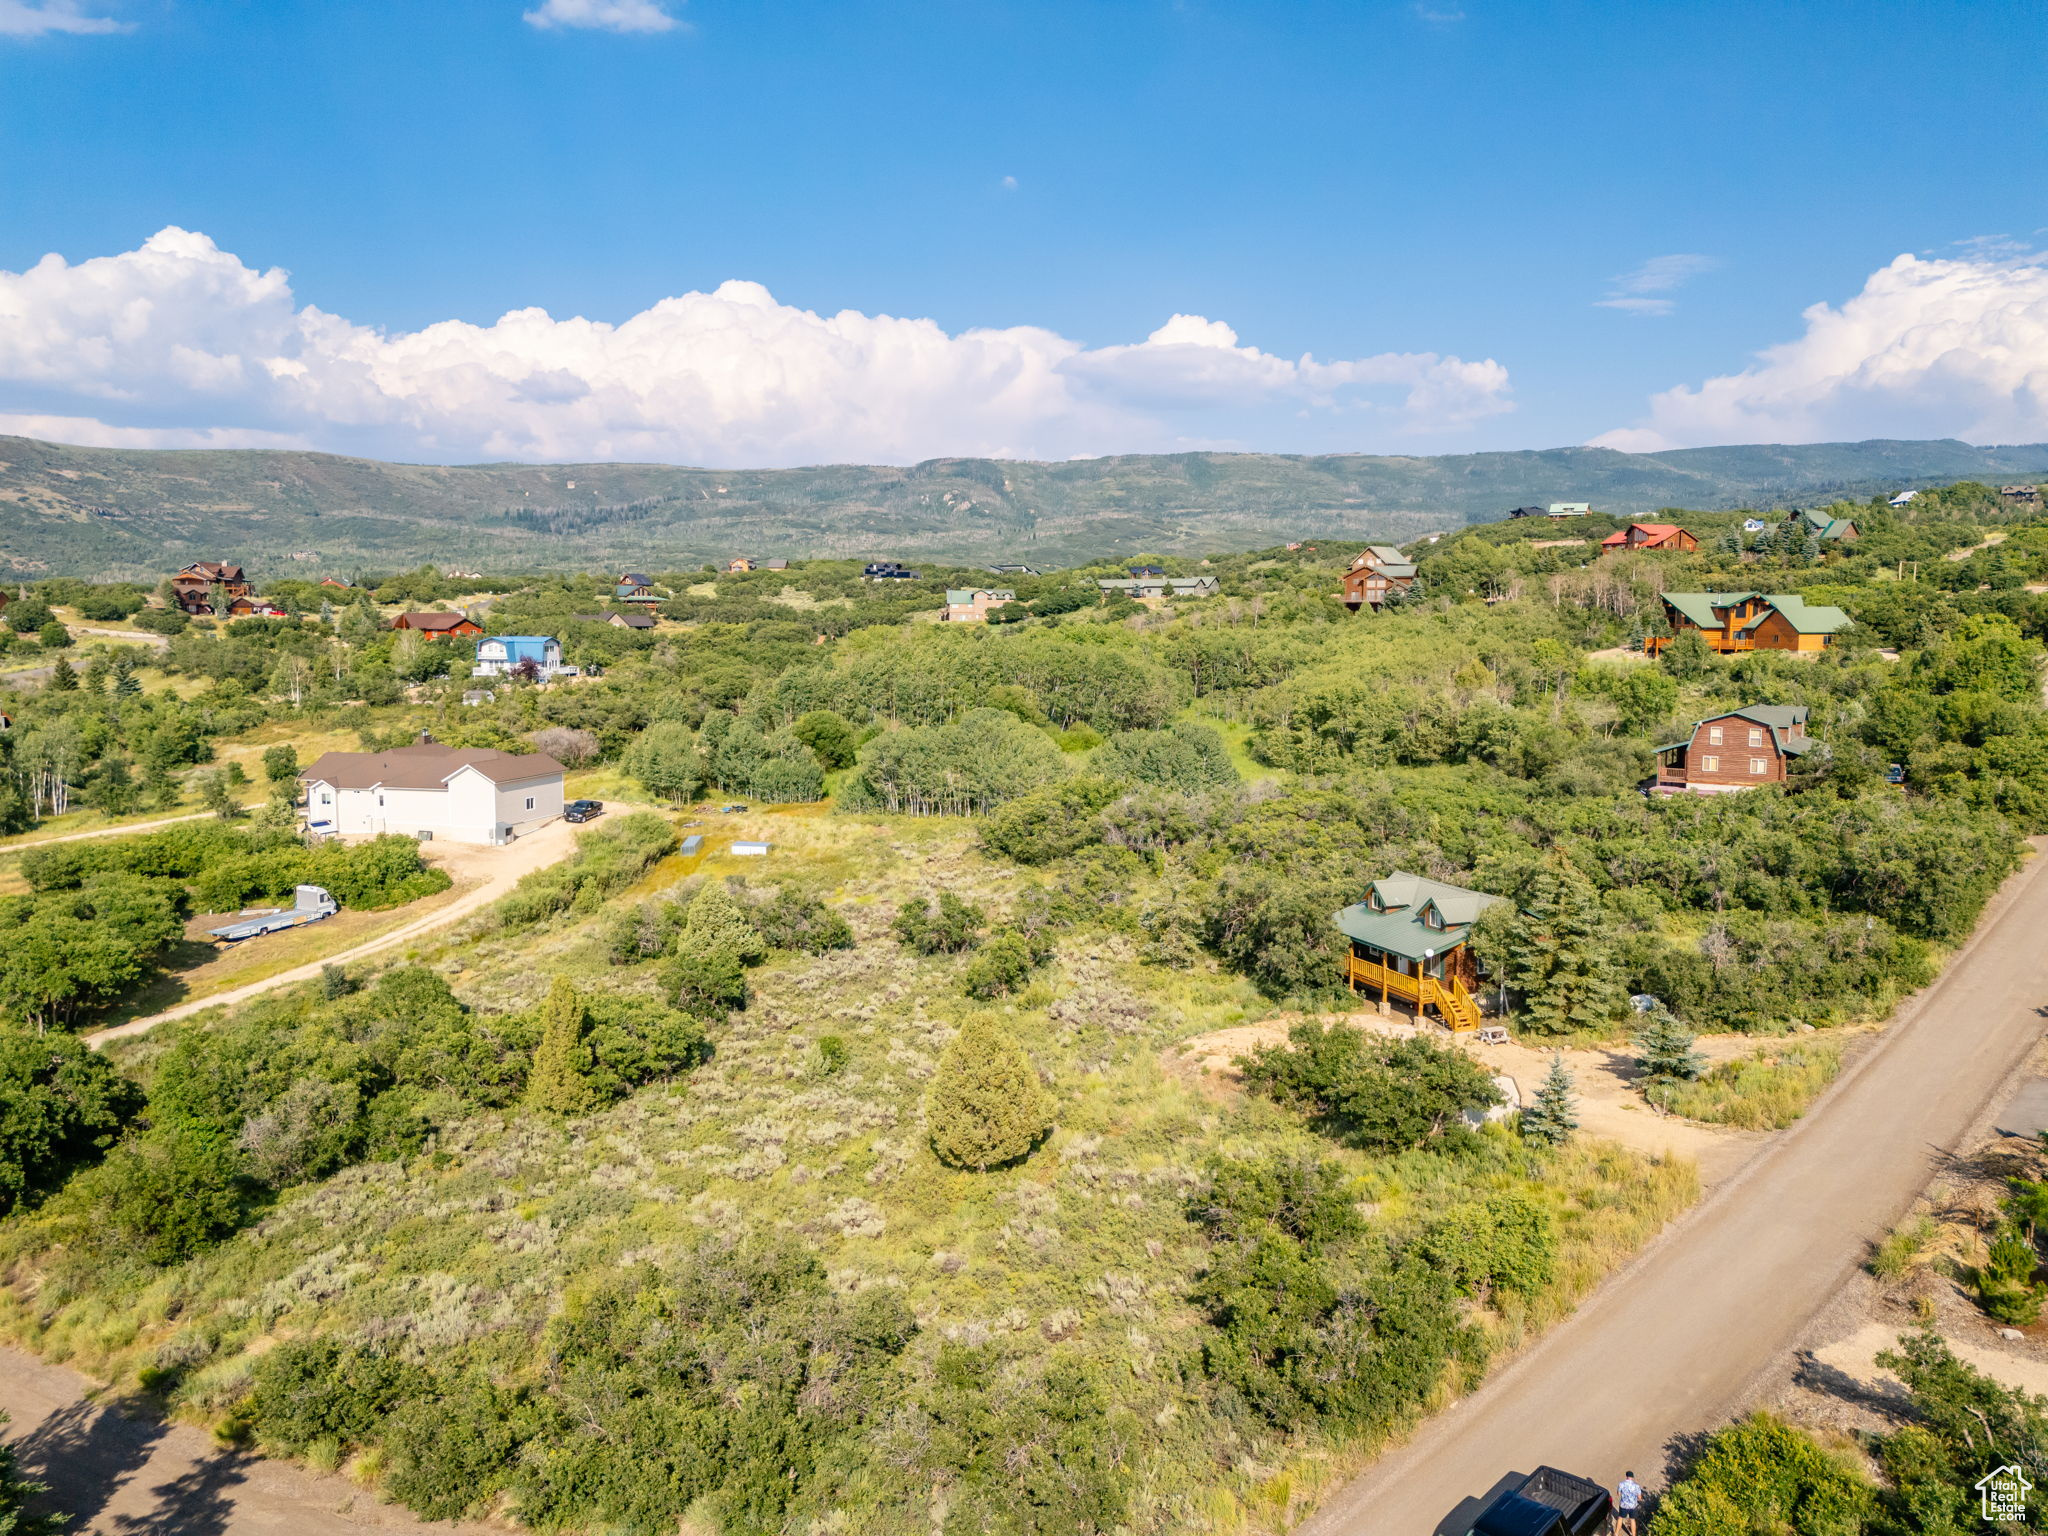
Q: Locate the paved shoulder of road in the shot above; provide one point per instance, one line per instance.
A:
(501, 869)
(1668, 1345)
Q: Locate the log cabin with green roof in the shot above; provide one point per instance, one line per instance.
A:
(1750, 621)
(1743, 749)
(1409, 940)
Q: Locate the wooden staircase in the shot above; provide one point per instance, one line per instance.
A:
(1458, 1008)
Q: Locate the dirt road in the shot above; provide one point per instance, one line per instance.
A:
(119, 829)
(1669, 1344)
(500, 869)
(119, 1476)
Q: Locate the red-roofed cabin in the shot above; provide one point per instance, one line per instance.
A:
(438, 626)
(1650, 536)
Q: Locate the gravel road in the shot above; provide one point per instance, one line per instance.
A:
(1668, 1345)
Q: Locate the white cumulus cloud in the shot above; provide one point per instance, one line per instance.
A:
(604, 15)
(1642, 292)
(178, 343)
(20, 18)
(1929, 348)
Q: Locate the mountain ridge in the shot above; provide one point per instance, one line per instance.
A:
(116, 512)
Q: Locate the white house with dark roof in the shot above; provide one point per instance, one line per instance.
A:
(461, 794)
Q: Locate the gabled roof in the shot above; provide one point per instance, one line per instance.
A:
(960, 596)
(1787, 723)
(1651, 533)
(432, 621)
(1386, 554)
(635, 579)
(428, 765)
(1401, 930)
(1804, 617)
(1820, 523)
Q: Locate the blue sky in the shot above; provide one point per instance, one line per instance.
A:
(1457, 178)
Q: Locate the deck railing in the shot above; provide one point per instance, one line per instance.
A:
(1447, 995)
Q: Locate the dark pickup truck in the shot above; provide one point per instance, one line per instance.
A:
(1547, 1503)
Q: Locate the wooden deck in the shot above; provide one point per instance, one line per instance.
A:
(1458, 1008)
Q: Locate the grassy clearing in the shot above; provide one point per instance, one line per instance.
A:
(464, 1252)
(1765, 1092)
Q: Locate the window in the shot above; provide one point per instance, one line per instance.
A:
(1710, 764)
(325, 798)
(1713, 735)
(1759, 765)
(529, 802)
(1756, 738)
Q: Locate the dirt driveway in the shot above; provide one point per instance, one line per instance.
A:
(1609, 1105)
(494, 871)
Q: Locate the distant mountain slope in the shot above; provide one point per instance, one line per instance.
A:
(100, 512)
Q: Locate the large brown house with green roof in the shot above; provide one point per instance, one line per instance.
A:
(1750, 621)
(1408, 940)
(1743, 749)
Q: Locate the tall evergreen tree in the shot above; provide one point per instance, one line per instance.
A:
(1560, 960)
(559, 1083)
(985, 1106)
(62, 678)
(1554, 1115)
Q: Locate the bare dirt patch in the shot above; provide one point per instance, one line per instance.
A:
(1610, 1107)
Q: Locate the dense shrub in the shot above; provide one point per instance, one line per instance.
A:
(1049, 823)
(317, 1389)
(1763, 1475)
(60, 1105)
(608, 858)
(1310, 1326)
(945, 926)
(802, 923)
(1382, 1094)
(1048, 1456)
(1183, 756)
(1505, 1242)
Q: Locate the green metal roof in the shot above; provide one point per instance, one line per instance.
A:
(1402, 931)
(1805, 618)
(1827, 527)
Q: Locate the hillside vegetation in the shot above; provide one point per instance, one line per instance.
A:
(111, 513)
(864, 1187)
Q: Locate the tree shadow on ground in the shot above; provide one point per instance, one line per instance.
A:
(196, 1503)
(85, 1451)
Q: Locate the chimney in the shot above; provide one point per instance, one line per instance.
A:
(426, 739)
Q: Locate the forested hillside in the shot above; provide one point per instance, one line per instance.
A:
(113, 513)
(864, 1186)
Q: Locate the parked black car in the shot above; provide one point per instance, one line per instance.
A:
(1547, 1503)
(583, 810)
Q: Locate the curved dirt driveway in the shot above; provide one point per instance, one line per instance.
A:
(1668, 1345)
(502, 868)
